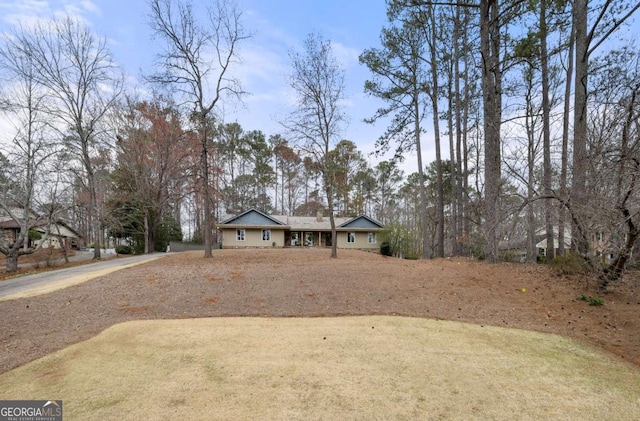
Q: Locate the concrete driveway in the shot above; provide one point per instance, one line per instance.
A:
(45, 282)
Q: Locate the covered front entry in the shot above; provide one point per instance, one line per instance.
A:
(308, 239)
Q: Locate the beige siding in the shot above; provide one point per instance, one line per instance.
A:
(252, 238)
(362, 241)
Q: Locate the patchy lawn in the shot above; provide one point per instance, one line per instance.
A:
(367, 367)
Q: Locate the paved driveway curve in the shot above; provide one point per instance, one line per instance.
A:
(45, 282)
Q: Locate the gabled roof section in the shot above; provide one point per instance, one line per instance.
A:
(251, 217)
(59, 228)
(362, 221)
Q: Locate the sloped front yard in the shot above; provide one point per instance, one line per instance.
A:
(287, 283)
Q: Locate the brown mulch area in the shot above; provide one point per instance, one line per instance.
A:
(41, 256)
(43, 260)
(307, 282)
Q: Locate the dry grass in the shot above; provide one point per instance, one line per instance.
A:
(367, 368)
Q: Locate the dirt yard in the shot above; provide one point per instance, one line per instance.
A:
(307, 282)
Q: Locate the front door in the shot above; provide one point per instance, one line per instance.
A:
(327, 240)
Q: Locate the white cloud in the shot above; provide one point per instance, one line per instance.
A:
(261, 67)
(90, 6)
(25, 13)
(346, 56)
(29, 12)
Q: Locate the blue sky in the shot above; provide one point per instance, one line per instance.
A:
(278, 26)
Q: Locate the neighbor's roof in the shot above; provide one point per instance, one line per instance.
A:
(60, 229)
(10, 223)
(56, 228)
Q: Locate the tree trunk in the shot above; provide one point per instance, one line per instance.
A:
(65, 249)
(546, 133)
(332, 221)
(578, 197)
(436, 134)
(12, 261)
(456, 164)
(463, 167)
(93, 214)
(426, 246)
(531, 163)
(204, 165)
(615, 271)
(147, 233)
(565, 145)
(492, 103)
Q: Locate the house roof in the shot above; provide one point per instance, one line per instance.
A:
(543, 243)
(362, 221)
(9, 224)
(253, 218)
(540, 240)
(57, 227)
(13, 224)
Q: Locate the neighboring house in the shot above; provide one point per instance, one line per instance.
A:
(518, 247)
(60, 234)
(601, 245)
(606, 245)
(253, 228)
(541, 246)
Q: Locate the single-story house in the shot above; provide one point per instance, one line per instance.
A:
(253, 228)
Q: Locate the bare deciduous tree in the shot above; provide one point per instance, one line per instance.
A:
(318, 120)
(197, 63)
(614, 145)
(82, 85)
(28, 150)
(588, 36)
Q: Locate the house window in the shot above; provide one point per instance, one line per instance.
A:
(372, 238)
(542, 251)
(266, 235)
(351, 237)
(240, 235)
